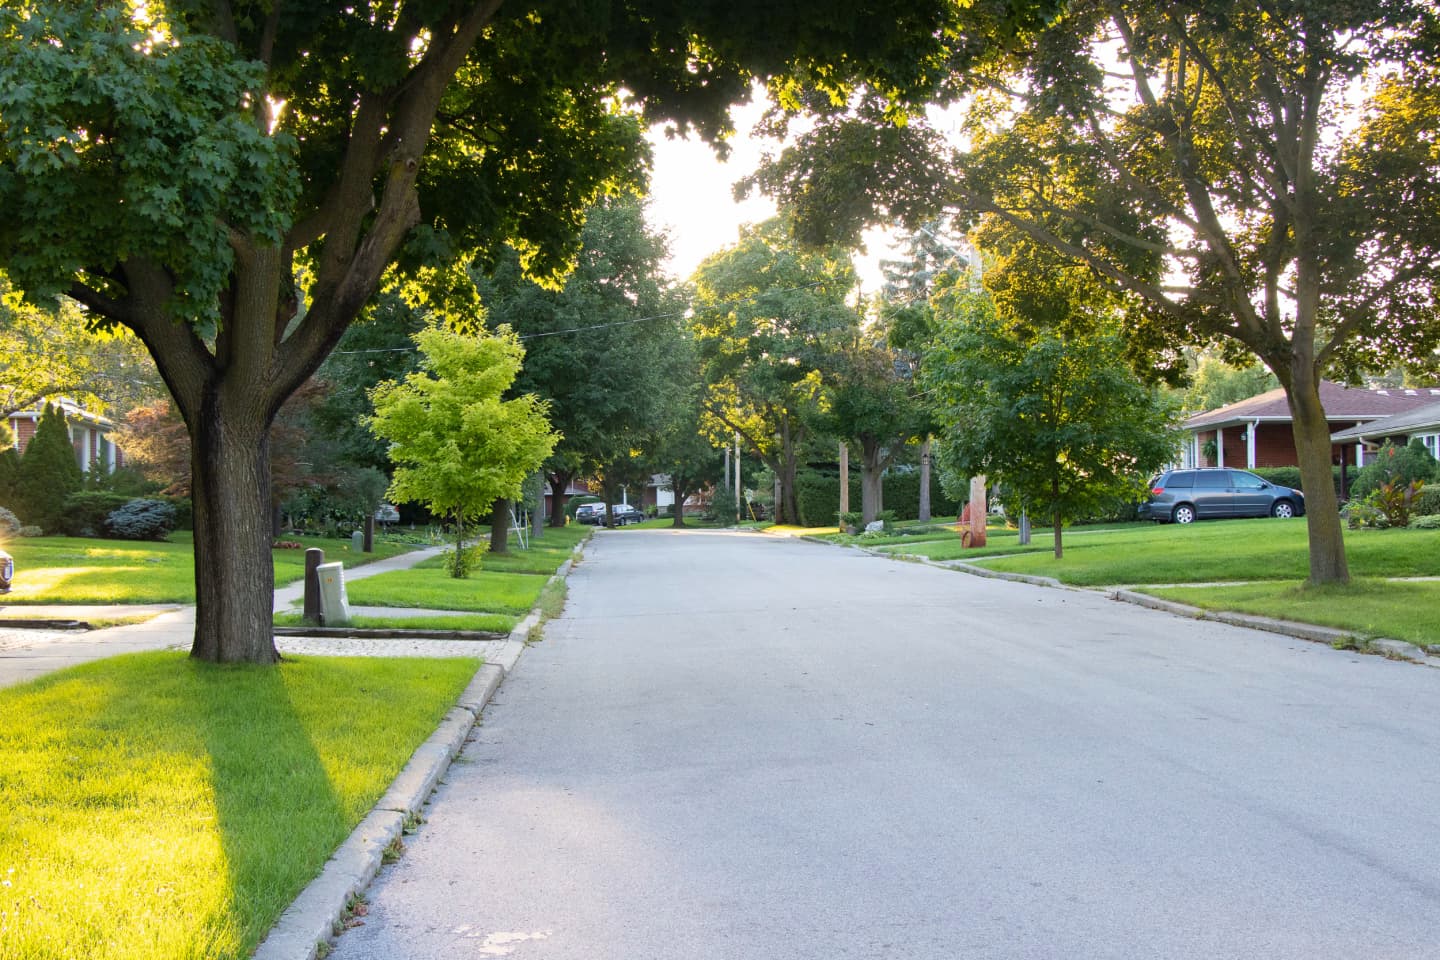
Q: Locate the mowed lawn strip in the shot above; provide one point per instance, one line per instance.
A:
(89, 571)
(1220, 551)
(158, 808)
(488, 622)
(427, 585)
(1397, 610)
(545, 555)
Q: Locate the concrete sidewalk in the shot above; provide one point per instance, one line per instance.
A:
(27, 653)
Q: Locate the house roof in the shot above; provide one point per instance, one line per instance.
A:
(1418, 420)
(1340, 403)
(72, 410)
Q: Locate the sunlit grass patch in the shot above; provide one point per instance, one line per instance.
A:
(158, 808)
(1398, 610)
(1223, 550)
(89, 571)
(429, 586)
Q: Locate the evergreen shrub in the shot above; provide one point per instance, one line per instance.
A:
(85, 512)
(142, 520)
(9, 523)
(1397, 465)
(49, 472)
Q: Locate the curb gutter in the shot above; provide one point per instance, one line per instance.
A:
(316, 914)
(1330, 636)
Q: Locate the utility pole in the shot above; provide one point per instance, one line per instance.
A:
(737, 477)
(844, 477)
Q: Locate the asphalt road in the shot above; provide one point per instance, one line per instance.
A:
(737, 746)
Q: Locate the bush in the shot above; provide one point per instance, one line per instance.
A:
(1397, 465)
(85, 512)
(184, 512)
(817, 496)
(142, 520)
(722, 505)
(1426, 522)
(902, 494)
(9, 523)
(576, 500)
(1427, 503)
(30, 530)
(1280, 476)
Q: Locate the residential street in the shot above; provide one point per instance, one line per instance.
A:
(742, 747)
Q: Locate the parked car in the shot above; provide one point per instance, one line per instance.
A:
(624, 514)
(387, 513)
(591, 513)
(1183, 496)
(7, 571)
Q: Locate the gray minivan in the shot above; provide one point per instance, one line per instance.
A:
(1183, 496)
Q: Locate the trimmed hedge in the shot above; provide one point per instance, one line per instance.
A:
(1290, 476)
(817, 494)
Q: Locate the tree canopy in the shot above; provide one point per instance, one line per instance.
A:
(1057, 421)
(1261, 175)
(232, 181)
(767, 314)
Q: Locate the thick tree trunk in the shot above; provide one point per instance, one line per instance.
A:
(844, 477)
(787, 510)
(871, 471)
(680, 491)
(500, 527)
(234, 573)
(924, 512)
(558, 484)
(1322, 509)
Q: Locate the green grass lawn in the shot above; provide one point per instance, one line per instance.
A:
(156, 808)
(1398, 610)
(1195, 553)
(427, 585)
(84, 570)
(1262, 549)
(545, 555)
(492, 622)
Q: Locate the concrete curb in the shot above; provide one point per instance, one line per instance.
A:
(316, 914)
(1330, 636)
(1392, 649)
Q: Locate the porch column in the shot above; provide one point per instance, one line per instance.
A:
(1250, 445)
(1219, 446)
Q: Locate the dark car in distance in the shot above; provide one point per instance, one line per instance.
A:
(1183, 496)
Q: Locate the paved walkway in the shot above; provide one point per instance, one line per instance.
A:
(27, 653)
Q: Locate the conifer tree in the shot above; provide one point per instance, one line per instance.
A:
(49, 471)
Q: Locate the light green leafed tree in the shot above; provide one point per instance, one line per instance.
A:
(456, 444)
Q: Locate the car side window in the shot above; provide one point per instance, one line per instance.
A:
(1181, 480)
(1213, 479)
(1246, 481)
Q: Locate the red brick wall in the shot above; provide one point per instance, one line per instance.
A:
(24, 429)
(1274, 446)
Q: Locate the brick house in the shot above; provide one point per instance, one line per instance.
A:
(1421, 423)
(1255, 432)
(89, 433)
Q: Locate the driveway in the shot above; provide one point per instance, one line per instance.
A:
(738, 746)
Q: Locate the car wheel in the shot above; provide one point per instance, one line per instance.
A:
(1283, 509)
(1183, 514)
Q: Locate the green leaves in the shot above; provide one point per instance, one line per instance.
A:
(457, 446)
(123, 140)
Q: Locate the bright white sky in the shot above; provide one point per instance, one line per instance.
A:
(692, 199)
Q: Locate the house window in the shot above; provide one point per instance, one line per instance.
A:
(1432, 443)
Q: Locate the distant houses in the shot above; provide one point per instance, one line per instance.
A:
(89, 433)
(1256, 432)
